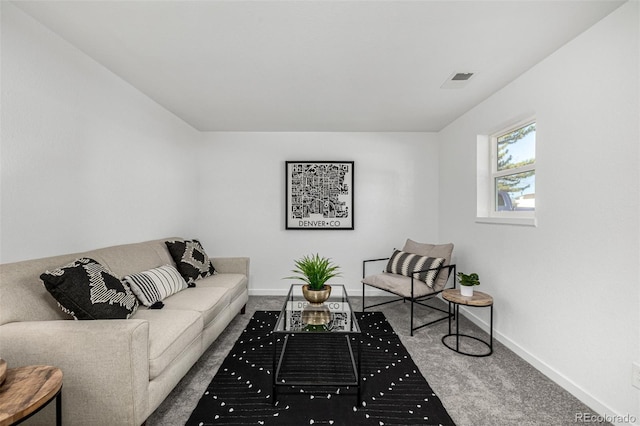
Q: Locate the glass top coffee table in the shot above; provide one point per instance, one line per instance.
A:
(316, 344)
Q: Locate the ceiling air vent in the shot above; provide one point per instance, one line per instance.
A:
(457, 80)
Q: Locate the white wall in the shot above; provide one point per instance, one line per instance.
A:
(87, 160)
(242, 213)
(566, 292)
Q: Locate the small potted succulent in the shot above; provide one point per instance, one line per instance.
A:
(315, 271)
(467, 282)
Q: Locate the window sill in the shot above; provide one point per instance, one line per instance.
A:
(516, 221)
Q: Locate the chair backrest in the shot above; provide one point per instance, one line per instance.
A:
(433, 250)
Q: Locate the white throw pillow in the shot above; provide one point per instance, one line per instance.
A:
(156, 284)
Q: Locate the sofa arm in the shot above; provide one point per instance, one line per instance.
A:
(105, 364)
(231, 265)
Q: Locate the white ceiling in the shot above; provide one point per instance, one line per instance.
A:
(317, 65)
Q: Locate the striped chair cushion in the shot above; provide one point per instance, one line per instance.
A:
(404, 263)
(156, 284)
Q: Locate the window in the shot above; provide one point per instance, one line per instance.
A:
(513, 171)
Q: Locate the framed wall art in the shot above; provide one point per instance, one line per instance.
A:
(319, 194)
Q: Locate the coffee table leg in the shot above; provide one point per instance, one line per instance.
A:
(273, 370)
(359, 402)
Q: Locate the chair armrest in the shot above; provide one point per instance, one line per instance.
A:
(364, 264)
(105, 364)
(231, 265)
(375, 260)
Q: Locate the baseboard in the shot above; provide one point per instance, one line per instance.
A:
(554, 375)
(268, 292)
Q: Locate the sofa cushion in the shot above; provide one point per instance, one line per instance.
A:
(156, 284)
(87, 290)
(191, 259)
(170, 333)
(406, 264)
(236, 284)
(398, 284)
(208, 302)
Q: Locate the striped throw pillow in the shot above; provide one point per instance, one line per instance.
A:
(404, 263)
(156, 284)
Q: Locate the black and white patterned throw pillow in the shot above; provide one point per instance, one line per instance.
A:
(404, 263)
(191, 259)
(86, 290)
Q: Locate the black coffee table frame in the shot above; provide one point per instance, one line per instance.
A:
(340, 346)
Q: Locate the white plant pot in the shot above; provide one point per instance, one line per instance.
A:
(466, 290)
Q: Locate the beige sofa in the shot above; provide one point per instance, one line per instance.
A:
(116, 372)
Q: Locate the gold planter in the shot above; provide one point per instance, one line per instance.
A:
(316, 314)
(316, 297)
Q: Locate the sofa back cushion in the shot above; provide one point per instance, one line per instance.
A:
(132, 258)
(23, 296)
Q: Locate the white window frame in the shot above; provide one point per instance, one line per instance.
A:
(487, 174)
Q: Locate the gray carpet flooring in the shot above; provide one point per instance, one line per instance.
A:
(501, 389)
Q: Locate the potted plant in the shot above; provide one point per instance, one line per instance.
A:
(315, 271)
(467, 282)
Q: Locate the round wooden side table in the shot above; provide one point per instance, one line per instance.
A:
(479, 299)
(27, 390)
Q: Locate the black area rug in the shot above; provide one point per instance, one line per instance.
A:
(394, 392)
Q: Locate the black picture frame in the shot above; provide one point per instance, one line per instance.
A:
(319, 195)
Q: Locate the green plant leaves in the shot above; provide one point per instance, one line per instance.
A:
(315, 271)
(470, 279)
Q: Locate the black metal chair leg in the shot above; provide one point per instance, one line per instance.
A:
(411, 317)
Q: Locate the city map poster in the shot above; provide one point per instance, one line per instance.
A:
(319, 194)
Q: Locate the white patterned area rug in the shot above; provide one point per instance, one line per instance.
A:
(393, 391)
